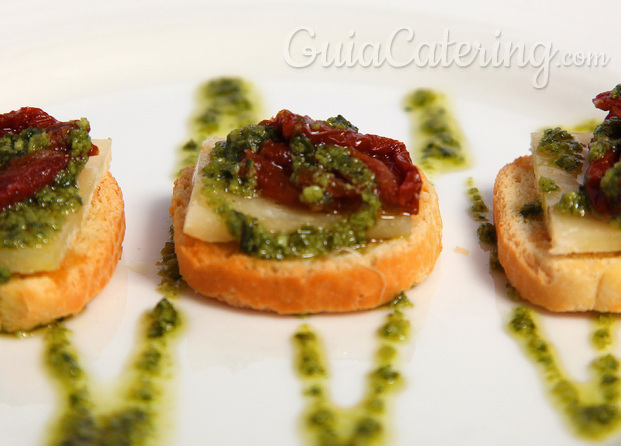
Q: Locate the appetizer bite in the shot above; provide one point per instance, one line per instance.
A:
(557, 214)
(295, 215)
(61, 218)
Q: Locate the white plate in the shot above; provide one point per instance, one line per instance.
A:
(132, 68)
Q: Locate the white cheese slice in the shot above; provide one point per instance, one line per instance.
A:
(203, 223)
(569, 233)
(48, 256)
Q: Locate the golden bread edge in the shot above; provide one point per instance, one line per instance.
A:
(337, 283)
(30, 300)
(575, 282)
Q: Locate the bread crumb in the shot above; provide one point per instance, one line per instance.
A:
(460, 250)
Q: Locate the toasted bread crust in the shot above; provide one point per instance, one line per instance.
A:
(340, 282)
(30, 300)
(576, 282)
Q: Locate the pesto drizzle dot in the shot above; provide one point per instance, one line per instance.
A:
(364, 424)
(171, 283)
(5, 275)
(533, 209)
(486, 230)
(586, 126)
(561, 150)
(224, 104)
(440, 145)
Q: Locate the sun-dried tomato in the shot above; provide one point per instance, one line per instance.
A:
(22, 176)
(610, 102)
(398, 180)
(592, 184)
(605, 204)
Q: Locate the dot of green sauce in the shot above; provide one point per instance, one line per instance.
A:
(610, 182)
(439, 143)
(573, 203)
(5, 275)
(171, 283)
(561, 150)
(587, 126)
(606, 136)
(533, 209)
(547, 185)
(223, 104)
(486, 231)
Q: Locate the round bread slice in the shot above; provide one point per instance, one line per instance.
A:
(575, 282)
(344, 281)
(31, 300)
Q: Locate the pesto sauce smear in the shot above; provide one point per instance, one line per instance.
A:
(228, 172)
(5, 275)
(486, 230)
(38, 219)
(591, 409)
(223, 104)
(442, 147)
(561, 149)
(586, 126)
(171, 283)
(366, 423)
(134, 422)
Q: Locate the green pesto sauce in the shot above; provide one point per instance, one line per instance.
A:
(442, 146)
(606, 136)
(487, 234)
(171, 283)
(512, 292)
(574, 203)
(83, 421)
(602, 337)
(561, 150)
(38, 219)
(486, 230)
(366, 423)
(224, 174)
(585, 126)
(533, 209)
(224, 104)
(27, 141)
(478, 208)
(592, 408)
(547, 185)
(5, 275)
(610, 182)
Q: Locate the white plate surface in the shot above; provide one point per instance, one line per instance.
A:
(132, 69)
